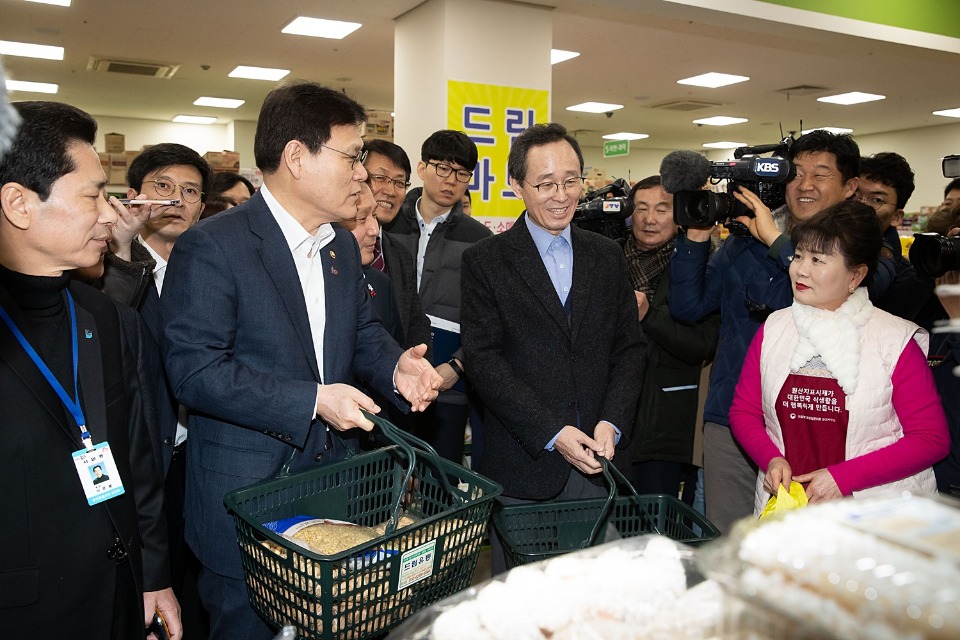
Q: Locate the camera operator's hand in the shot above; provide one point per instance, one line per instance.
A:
(761, 226)
(699, 234)
(643, 304)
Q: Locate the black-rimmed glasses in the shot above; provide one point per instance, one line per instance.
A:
(383, 180)
(444, 170)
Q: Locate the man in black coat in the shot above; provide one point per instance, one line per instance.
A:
(549, 324)
(75, 558)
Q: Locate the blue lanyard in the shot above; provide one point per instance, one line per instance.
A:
(72, 404)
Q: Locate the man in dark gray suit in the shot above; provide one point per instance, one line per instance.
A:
(267, 326)
(549, 324)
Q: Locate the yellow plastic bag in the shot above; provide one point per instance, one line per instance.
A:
(785, 500)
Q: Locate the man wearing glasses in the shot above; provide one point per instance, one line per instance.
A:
(432, 226)
(268, 327)
(552, 335)
(886, 183)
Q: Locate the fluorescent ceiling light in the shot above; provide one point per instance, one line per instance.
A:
(950, 113)
(724, 145)
(27, 50)
(830, 129)
(195, 119)
(320, 28)
(720, 121)
(223, 103)
(595, 107)
(559, 55)
(35, 87)
(854, 97)
(259, 73)
(713, 80)
(59, 3)
(623, 135)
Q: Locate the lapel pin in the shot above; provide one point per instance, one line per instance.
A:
(333, 254)
(87, 333)
(334, 271)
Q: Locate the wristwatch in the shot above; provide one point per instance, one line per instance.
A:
(457, 369)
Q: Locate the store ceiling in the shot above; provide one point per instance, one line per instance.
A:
(632, 53)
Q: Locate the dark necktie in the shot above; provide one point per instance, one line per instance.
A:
(378, 262)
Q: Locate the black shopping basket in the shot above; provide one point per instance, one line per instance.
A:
(364, 591)
(532, 532)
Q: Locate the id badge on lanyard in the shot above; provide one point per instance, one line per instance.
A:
(95, 465)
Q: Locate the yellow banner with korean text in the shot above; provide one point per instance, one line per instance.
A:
(493, 116)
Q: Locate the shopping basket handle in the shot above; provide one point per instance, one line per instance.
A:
(613, 476)
(622, 479)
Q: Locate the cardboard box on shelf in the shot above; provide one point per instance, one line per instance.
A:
(223, 160)
(114, 142)
(119, 163)
(255, 176)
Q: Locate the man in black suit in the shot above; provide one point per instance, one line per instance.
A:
(549, 324)
(70, 561)
(267, 327)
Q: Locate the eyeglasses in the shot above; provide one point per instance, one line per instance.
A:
(383, 180)
(165, 189)
(360, 157)
(444, 170)
(874, 201)
(549, 188)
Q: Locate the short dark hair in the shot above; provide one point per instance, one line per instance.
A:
(892, 170)
(168, 154)
(448, 145)
(953, 185)
(944, 219)
(537, 136)
(849, 227)
(40, 153)
(393, 152)
(647, 183)
(304, 111)
(226, 180)
(841, 145)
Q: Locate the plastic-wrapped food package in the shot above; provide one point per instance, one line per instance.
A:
(645, 587)
(852, 569)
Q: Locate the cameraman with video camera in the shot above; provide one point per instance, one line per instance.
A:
(747, 279)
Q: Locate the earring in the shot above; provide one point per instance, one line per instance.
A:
(853, 289)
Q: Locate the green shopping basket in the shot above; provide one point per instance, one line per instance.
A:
(533, 532)
(364, 591)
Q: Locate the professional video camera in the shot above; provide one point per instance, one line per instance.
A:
(932, 254)
(685, 172)
(604, 210)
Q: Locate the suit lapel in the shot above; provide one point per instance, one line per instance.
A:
(90, 376)
(24, 368)
(336, 259)
(278, 262)
(525, 258)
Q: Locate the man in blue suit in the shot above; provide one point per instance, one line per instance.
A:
(267, 326)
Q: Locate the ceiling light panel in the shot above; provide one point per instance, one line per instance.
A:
(222, 103)
(624, 135)
(713, 80)
(720, 121)
(33, 87)
(320, 28)
(195, 119)
(559, 55)
(59, 3)
(27, 50)
(830, 129)
(950, 113)
(595, 107)
(259, 73)
(724, 145)
(854, 97)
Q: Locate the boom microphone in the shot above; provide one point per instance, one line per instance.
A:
(684, 171)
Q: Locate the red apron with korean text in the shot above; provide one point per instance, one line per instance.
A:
(813, 419)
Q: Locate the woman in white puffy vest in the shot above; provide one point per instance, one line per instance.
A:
(835, 393)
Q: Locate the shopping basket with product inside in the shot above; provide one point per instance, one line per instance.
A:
(532, 532)
(432, 514)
